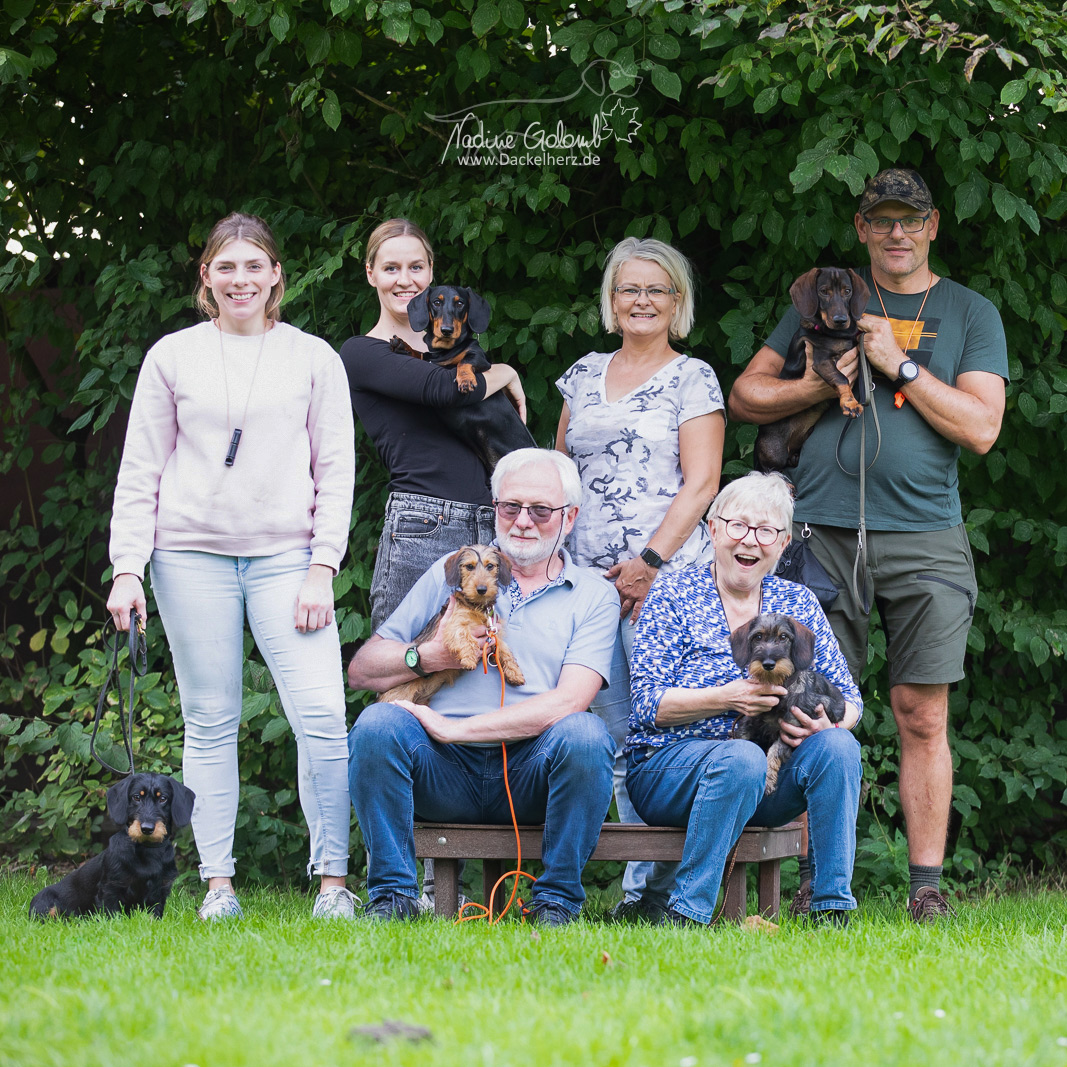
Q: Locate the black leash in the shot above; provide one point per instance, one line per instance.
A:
(138, 649)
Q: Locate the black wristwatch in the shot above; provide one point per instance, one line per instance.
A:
(907, 372)
(413, 662)
(652, 558)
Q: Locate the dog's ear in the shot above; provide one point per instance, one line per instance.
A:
(739, 644)
(118, 800)
(860, 295)
(803, 647)
(452, 568)
(419, 310)
(804, 295)
(478, 316)
(181, 804)
(505, 571)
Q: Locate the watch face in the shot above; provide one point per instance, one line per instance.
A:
(411, 657)
(909, 370)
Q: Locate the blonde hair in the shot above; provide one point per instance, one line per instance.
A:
(394, 228)
(663, 255)
(240, 227)
(756, 493)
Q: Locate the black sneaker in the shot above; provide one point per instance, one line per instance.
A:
(676, 918)
(830, 917)
(391, 906)
(548, 913)
(637, 911)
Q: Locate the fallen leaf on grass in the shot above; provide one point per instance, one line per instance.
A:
(758, 924)
(535, 936)
(391, 1028)
(605, 959)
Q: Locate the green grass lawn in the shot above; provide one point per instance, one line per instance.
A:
(988, 988)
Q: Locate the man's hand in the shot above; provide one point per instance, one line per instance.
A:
(435, 654)
(437, 726)
(880, 345)
(809, 724)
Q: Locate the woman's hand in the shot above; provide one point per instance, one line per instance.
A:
(314, 602)
(502, 377)
(127, 592)
(633, 578)
(750, 697)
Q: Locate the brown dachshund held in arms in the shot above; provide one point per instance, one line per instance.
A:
(830, 301)
(778, 650)
(477, 574)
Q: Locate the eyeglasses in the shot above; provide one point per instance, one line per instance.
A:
(512, 509)
(912, 224)
(655, 293)
(738, 531)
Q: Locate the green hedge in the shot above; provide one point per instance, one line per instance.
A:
(741, 133)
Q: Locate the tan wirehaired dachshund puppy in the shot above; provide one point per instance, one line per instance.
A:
(477, 574)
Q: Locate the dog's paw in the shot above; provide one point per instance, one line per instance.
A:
(851, 407)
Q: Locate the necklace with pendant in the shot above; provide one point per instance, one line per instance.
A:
(235, 440)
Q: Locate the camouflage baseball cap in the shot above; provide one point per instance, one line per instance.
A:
(899, 184)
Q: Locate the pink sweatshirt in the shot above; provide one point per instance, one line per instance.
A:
(291, 482)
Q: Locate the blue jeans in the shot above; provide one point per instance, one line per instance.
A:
(715, 789)
(418, 531)
(398, 774)
(709, 787)
(822, 777)
(203, 600)
(641, 878)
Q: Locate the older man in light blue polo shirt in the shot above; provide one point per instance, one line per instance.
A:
(444, 762)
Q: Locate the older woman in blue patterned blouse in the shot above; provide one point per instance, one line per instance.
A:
(683, 768)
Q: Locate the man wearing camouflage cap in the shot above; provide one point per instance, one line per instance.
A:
(939, 362)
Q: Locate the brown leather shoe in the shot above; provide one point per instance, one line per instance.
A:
(929, 906)
(800, 905)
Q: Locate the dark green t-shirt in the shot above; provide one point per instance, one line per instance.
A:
(913, 484)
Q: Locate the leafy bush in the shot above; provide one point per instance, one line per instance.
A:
(741, 133)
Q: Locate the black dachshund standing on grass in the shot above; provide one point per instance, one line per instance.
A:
(137, 868)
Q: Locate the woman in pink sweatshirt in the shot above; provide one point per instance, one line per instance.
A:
(236, 485)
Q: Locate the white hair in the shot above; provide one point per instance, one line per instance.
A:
(525, 457)
(756, 493)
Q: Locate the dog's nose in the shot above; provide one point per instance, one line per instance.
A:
(482, 589)
(446, 330)
(840, 320)
(147, 828)
(769, 663)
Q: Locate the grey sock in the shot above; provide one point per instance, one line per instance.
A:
(921, 877)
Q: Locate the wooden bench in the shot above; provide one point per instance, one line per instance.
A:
(448, 843)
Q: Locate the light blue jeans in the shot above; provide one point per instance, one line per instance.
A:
(642, 878)
(203, 600)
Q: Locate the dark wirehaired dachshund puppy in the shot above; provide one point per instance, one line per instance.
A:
(778, 650)
(477, 574)
(830, 301)
(449, 316)
(137, 868)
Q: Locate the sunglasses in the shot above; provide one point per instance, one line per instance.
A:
(512, 509)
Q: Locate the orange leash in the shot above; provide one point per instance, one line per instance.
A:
(485, 911)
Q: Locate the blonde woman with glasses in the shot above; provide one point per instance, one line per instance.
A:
(645, 425)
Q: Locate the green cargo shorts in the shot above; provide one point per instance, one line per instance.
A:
(925, 589)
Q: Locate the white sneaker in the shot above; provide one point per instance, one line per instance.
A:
(220, 904)
(335, 903)
(426, 903)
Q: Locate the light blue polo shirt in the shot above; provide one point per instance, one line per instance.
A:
(573, 621)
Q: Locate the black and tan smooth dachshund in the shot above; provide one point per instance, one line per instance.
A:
(477, 574)
(830, 301)
(137, 868)
(778, 650)
(449, 316)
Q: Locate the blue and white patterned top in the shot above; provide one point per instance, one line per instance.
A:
(627, 453)
(683, 641)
